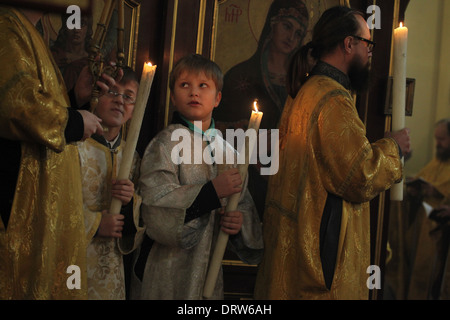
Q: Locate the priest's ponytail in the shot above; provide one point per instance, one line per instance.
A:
(299, 69)
(333, 27)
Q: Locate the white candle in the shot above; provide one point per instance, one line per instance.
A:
(247, 151)
(135, 127)
(232, 204)
(399, 93)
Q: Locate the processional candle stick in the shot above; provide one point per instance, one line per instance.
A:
(120, 34)
(134, 129)
(96, 62)
(101, 25)
(232, 204)
(399, 93)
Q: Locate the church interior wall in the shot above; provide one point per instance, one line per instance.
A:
(429, 63)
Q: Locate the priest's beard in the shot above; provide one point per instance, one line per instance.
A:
(443, 154)
(359, 75)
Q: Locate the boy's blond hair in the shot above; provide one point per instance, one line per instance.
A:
(197, 63)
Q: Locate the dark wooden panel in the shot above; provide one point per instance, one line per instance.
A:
(150, 43)
(158, 25)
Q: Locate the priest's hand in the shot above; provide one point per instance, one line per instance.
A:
(231, 222)
(123, 190)
(227, 183)
(403, 140)
(441, 215)
(92, 124)
(430, 191)
(83, 86)
(111, 225)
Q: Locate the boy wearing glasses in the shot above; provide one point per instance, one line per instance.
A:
(110, 235)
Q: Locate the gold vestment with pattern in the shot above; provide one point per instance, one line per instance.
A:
(45, 234)
(323, 150)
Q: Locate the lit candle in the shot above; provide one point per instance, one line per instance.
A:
(256, 117)
(232, 204)
(135, 127)
(399, 93)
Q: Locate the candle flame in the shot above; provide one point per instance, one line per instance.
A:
(255, 106)
(149, 64)
(401, 24)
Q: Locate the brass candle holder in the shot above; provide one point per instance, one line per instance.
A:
(97, 64)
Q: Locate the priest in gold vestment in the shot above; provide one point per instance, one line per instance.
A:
(42, 234)
(426, 282)
(420, 265)
(317, 221)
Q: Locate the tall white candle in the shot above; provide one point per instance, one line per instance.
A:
(232, 204)
(399, 93)
(135, 127)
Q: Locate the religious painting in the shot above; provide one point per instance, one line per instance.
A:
(70, 47)
(253, 44)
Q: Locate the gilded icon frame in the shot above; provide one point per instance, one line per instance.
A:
(52, 25)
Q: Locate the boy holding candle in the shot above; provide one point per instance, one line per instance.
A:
(110, 235)
(182, 201)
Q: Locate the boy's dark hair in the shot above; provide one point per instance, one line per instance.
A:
(333, 27)
(129, 75)
(197, 63)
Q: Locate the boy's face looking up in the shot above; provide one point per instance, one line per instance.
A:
(116, 107)
(195, 96)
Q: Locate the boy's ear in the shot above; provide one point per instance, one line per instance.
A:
(218, 99)
(171, 98)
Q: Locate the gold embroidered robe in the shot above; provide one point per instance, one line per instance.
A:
(425, 245)
(438, 174)
(99, 166)
(45, 233)
(323, 149)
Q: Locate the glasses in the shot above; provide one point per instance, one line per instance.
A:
(126, 98)
(370, 44)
